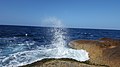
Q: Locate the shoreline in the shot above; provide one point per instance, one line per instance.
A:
(65, 61)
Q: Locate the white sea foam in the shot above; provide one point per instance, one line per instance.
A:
(27, 57)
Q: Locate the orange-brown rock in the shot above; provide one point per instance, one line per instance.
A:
(105, 51)
(111, 43)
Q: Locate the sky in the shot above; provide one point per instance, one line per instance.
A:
(98, 14)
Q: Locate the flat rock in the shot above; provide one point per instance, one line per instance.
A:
(105, 51)
(61, 63)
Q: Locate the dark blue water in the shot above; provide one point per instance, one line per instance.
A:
(14, 39)
(39, 32)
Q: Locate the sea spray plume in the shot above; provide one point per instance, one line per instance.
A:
(57, 31)
(58, 35)
(60, 44)
(52, 22)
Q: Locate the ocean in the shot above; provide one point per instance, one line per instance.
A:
(21, 45)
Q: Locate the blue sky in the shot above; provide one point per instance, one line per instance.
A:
(104, 14)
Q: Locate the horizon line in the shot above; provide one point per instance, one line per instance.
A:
(58, 27)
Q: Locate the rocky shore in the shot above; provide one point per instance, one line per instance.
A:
(104, 52)
(64, 62)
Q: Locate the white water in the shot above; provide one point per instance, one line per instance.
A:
(27, 57)
(59, 51)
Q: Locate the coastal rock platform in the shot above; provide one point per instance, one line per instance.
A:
(105, 51)
(64, 62)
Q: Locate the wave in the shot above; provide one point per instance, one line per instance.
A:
(28, 57)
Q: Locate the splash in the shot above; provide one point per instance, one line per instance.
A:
(58, 38)
(57, 31)
(60, 43)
